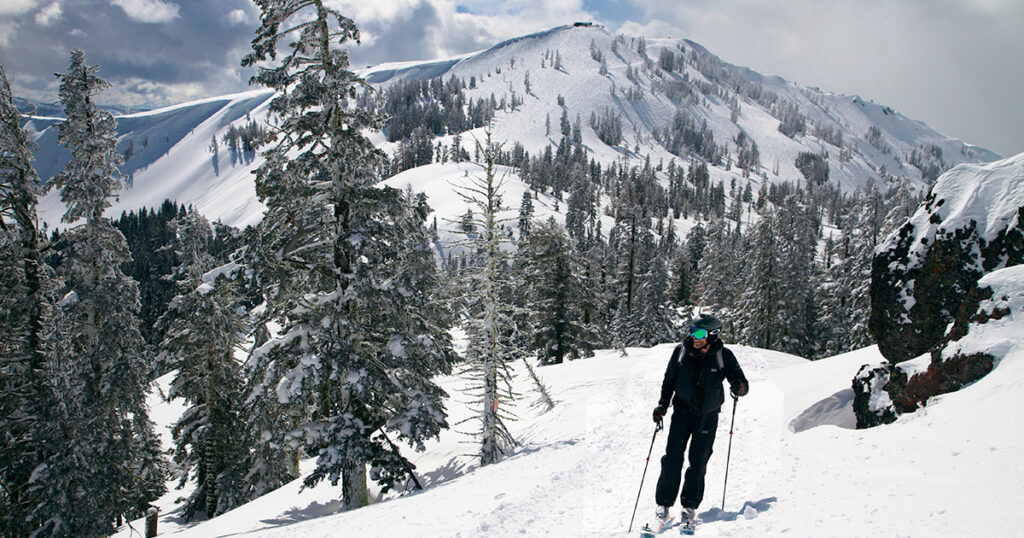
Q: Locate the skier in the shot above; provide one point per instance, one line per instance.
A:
(695, 374)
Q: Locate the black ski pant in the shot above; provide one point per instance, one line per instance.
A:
(699, 430)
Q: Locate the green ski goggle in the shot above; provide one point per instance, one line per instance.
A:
(700, 334)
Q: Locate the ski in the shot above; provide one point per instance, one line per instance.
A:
(648, 532)
(688, 527)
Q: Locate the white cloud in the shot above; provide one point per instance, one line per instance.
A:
(400, 30)
(149, 11)
(17, 7)
(7, 31)
(48, 14)
(657, 28)
(238, 16)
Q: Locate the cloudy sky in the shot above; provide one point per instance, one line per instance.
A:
(957, 65)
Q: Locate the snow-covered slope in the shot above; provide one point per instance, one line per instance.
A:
(950, 470)
(169, 150)
(988, 195)
(504, 68)
(170, 157)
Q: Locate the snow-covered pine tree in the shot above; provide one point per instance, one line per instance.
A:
(526, 214)
(27, 310)
(696, 241)
(549, 265)
(624, 243)
(683, 278)
(594, 259)
(361, 339)
(756, 314)
(653, 309)
(843, 294)
(580, 210)
(776, 307)
(491, 324)
(202, 330)
(104, 372)
(798, 235)
(719, 270)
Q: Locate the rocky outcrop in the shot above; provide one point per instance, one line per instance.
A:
(871, 402)
(929, 291)
(984, 330)
(969, 224)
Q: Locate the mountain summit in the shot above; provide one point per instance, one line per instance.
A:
(629, 99)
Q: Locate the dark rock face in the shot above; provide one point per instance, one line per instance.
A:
(905, 394)
(941, 377)
(935, 277)
(871, 408)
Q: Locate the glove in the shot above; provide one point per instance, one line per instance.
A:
(659, 413)
(738, 388)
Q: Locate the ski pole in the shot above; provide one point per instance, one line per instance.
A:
(729, 453)
(657, 429)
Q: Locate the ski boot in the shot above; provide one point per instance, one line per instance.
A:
(662, 523)
(688, 521)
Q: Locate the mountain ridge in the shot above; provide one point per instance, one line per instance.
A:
(565, 71)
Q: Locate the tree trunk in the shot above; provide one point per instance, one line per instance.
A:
(353, 484)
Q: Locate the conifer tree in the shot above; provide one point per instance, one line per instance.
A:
(361, 337)
(595, 258)
(757, 313)
(696, 241)
(557, 294)
(776, 309)
(719, 268)
(526, 214)
(654, 314)
(683, 278)
(202, 331)
(104, 367)
(799, 279)
(625, 241)
(492, 321)
(27, 319)
(844, 294)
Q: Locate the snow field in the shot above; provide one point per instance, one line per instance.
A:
(950, 469)
(576, 472)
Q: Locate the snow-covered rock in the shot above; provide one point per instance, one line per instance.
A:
(986, 330)
(971, 223)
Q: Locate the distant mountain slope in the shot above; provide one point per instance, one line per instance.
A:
(660, 91)
(647, 84)
(168, 155)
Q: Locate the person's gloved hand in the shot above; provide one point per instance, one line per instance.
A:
(659, 413)
(738, 388)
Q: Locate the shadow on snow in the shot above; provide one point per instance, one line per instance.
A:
(749, 511)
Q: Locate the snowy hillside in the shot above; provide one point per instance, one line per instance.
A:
(504, 68)
(990, 196)
(168, 157)
(646, 83)
(797, 467)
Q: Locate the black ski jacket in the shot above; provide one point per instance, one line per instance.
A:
(686, 363)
